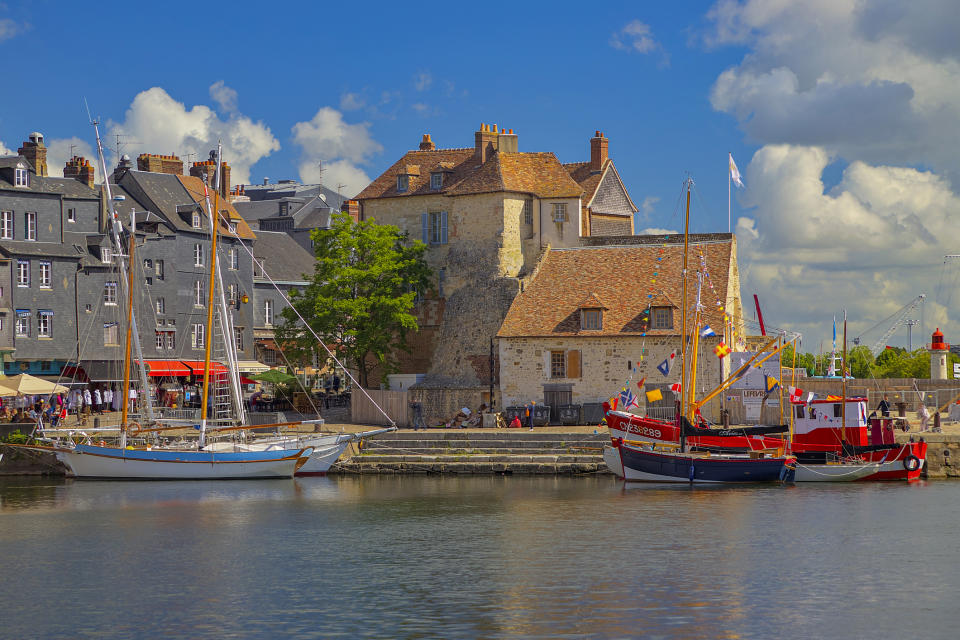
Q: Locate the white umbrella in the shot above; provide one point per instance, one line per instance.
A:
(28, 385)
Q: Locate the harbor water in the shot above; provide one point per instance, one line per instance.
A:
(476, 557)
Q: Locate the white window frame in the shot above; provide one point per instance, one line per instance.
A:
(106, 255)
(196, 336)
(30, 226)
(198, 255)
(23, 273)
(6, 225)
(111, 335)
(160, 340)
(268, 313)
(197, 223)
(171, 340)
(46, 275)
(21, 177)
(198, 293)
(234, 259)
(159, 268)
(559, 211)
(44, 325)
(232, 293)
(22, 326)
(232, 226)
(161, 306)
(110, 294)
(72, 214)
(238, 338)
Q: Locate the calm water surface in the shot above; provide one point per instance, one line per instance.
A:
(487, 557)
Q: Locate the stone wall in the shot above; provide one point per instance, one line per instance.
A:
(442, 404)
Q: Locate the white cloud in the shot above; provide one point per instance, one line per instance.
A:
(656, 231)
(9, 28)
(352, 102)
(341, 146)
(637, 37)
(224, 96)
(648, 204)
(422, 80)
(163, 125)
(875, 88)
(63, 149)
(4, 151)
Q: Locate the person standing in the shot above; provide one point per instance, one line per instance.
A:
(884, 406)
(87, 400)
(97, 401)
(108, 399)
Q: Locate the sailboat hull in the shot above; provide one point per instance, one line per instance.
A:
(85, 461)
(640, 465)
(843, 472)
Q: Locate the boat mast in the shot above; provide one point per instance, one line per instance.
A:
(694, 352)
(126, 354)
(683, 306)
(209, 327)
(843, 384)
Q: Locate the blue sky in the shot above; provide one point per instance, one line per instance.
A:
(842, 115)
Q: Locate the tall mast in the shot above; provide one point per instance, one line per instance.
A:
(126, 354)
(683, 305)
(209, 329)
(116, 229)
(843, 384)
(690, 391)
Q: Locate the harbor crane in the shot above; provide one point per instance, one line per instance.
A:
(893, 322)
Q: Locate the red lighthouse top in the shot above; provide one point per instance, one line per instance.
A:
(937, 343)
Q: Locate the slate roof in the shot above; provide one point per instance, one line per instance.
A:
(622, 277)
(540, 174)
(13, 248)
(67, 187)
(276, 191)
(284, 259)
(307, 213)
(160, 193)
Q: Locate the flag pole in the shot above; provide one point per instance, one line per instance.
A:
(729, 179)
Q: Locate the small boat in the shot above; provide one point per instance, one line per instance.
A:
(643, 463)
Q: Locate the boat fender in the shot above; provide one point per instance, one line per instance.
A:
(911, 463)
(692, 471)
(788, 472)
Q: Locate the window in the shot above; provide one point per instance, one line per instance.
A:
(161, 306)
(71, 215)
(46, 365)
(662, 318)
(45, 324)
(30, 225)
(232, 226)
(106, 255)
(268, 313)
(148, 280)
(441, 280)
(558, 364)
(23, 324)
(198, 255)
(528, 211)
(111, 336)
(198, 293)
(196, 336)
(110, 293)
(238, 338)
(160, 341)
(234, 258)
(46, 275)
(148, 263)
(88, 308)
(159, 269)
(21, 178)
(171, 340)
(837, 411)
(232, 293)
(403, 183)
(436, 180)
(196, 220)
(591, 319)
(434, 227)
(6, 225)
(259, 267)
(23, 273)
(559, 211)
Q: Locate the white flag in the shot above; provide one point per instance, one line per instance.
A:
(734, 172)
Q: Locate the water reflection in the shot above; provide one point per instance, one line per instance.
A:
(416, 557)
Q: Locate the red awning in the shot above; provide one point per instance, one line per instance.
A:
(74, 372)
(196, 367)
(166, 368)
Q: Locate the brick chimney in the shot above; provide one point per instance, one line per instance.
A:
(79, 169)
(205, 171)
(160, 164)
(35, 152)
(351, 207)
(485, 141)
(427, 144)
(598, 152)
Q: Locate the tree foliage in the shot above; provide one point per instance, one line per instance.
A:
(359, 298)
(894, 362)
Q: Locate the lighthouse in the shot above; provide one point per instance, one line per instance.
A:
(938, 356)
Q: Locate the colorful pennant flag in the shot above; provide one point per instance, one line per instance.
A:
(664, 367)
(654, 395)
(613, 402)
(831, 398)
(770, 383)
(706, 332)
(795, 394)
(640, 383)
(627, 399)
(722, 350)
(675, 387)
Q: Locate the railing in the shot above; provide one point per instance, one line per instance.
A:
(661, 413)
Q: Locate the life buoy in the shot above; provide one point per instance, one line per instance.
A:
(911, 463)
(133, 428)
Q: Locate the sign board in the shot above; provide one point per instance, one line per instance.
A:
(956, 369)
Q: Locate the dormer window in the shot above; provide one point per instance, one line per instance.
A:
(662, 318)
(591, 319)
(105, 255)
(403, 183)
(196, 220)
(232, 226)
(21, 177)
(436, 180)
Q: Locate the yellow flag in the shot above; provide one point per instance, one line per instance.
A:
(654, 395)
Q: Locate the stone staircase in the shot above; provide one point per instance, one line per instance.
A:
(503, 452)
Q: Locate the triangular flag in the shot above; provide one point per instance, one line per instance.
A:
(640, 383)
(664, 367)
(706, 332)
(770, 383)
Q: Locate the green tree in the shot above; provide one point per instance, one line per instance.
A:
(360, 296)
(860, 362)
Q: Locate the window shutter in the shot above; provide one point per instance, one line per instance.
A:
(573, 364)
(443, 227)
(425, 224)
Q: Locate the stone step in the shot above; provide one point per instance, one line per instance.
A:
(479, 444)
(481, 450)
(493, 434)
(541, 458)
(473, 468)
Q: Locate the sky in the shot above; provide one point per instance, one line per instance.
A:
(843, 116)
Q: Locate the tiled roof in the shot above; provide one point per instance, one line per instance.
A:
(194, 187)
(588, 180)
(540, 174)
(622, 277)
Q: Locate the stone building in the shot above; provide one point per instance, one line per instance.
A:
(598, 317)
(486, 213)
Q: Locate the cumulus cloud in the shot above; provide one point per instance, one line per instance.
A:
(164, 125)
(5, 151)
(10, 28)
(656, 231)
(872, 87)
(648, 204)
(422, 80)
(224, 96)
(339, 145)
(637, 37)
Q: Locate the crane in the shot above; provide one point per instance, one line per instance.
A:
(893, 322)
